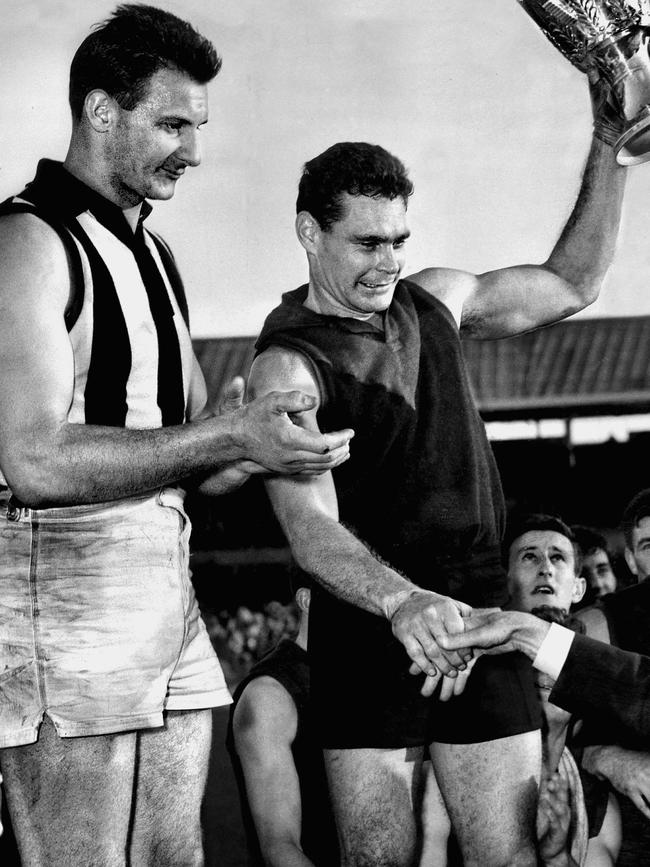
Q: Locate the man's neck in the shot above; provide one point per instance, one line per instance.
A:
(327, 306)
(78, 169)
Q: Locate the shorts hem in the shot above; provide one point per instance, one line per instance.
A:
(108, 725)
(216, 698)
(20, 738)
(522, 729)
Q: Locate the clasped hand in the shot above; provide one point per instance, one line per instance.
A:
(420, 622)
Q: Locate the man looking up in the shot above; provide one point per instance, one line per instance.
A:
(544, 566)
(415, 521)
(108, 675)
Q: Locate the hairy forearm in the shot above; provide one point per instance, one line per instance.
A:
(88, 463)
(344, 565)
(586, 246)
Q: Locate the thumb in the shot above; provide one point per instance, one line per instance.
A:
(232, 396)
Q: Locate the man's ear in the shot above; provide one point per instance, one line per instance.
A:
(303, 598)
(579, 589)
(307, 230)
(629, 559)
(99, 110)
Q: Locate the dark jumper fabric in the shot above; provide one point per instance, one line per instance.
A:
(422, 490)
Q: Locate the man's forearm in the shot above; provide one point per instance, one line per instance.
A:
(344, 565)
(587, 244)
(87, 463)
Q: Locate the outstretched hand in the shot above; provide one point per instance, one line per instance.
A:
(496, 631)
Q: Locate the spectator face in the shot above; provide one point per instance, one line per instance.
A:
(638, 557)
(597, 571)
(541, 571)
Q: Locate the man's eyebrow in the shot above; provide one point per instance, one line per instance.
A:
(382, 239)
(177, 118)
(643, 539)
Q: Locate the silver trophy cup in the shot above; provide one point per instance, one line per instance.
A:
(610, 38)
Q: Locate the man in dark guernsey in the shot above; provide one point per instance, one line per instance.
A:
(277, 760)
(107, 674)
(406, 535)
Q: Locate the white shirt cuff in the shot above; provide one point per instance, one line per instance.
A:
(554, 650)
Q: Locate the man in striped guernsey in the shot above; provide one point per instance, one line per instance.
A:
(107, 675)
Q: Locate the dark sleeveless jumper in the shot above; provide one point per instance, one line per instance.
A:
(288, 664)
(421, 489)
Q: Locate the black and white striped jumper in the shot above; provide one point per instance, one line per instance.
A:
(127, 318)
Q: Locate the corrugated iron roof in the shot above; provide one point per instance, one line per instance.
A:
(577, 367)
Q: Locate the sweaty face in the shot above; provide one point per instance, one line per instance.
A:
(597, 571)
(638, 558)
(356, 263)
(541, 571)
(151, 146)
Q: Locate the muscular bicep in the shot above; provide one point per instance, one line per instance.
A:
(503, 302)
(35, 352)
(294, 498)
(264, 727)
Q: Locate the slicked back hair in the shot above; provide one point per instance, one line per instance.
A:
(356, 168)
(123, 52)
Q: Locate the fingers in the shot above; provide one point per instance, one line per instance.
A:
(452, 687)
(292, 401)
(420, 659)
(338, 439)
(232, 396)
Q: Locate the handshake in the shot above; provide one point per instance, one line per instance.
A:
(487, 631)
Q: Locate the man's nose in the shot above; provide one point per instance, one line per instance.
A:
(388, 260)
(545, 566)
(190, 150)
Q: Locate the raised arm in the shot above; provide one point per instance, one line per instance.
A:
(47, 461)
(307, 509)
(512, 300)
(265, 724)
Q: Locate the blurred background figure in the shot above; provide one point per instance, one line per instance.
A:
(597, 567)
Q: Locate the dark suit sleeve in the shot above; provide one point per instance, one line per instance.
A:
(606, 682)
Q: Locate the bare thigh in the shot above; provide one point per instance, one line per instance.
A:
(171, 775)
(490, 790)
(70, 798)
(376, 796)
(434, 821)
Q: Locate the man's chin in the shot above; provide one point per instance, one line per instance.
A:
(161, 190)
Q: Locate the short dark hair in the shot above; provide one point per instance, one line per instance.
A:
(356, 168)
(589, 540)
(636, 510)
(123, 52)
(540, 521)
